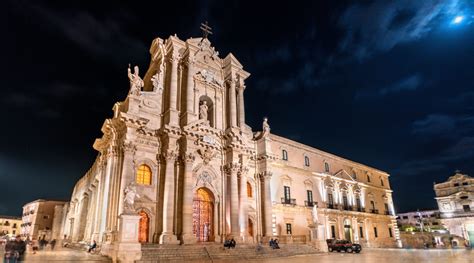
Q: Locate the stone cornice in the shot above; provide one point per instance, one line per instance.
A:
(310, 149)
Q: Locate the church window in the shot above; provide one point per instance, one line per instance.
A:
(143, 175)
(326, 167)
(390, 232)
(284, 154)
(361, 232)
(306, 161)
(249, 190)
(333, 231)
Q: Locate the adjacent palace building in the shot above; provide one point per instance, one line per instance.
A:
(197, 173)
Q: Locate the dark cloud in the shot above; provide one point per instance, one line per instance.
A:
(382, 25)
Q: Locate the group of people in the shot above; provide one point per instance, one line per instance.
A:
(41, 244)
(229, 243)
(274, 243)
(15, 250)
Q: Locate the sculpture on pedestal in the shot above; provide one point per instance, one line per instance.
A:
(136, 83)
(129, 199)
(314, 213)
(203, 111)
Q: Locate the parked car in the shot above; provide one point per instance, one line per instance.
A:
(343, 245)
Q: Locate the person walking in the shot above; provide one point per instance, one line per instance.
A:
(53, 244)
(34, 245)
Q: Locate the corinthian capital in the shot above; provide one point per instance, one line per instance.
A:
(265, 175)
(188, 158)
(232, 168)
(170, 155)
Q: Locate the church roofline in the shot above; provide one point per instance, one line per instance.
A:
(329, 155)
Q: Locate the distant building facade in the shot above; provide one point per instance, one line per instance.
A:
(198, 173)
(10, 225)
(455, 199)
(430, 220)
(37, 218)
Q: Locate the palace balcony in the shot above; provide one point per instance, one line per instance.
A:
(347, 207)
(332, 206)
(374, 211)
(287, 201)
(310, 203)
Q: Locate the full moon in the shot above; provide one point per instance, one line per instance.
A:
(458, 19)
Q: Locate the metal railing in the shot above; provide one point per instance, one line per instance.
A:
(310, 203)
(290, 201)
(374, 211)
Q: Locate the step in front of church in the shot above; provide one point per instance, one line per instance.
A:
(216, 252)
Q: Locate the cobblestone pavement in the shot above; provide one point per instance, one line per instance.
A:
(63, 255)
(388, 256)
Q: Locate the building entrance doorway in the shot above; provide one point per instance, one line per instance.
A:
(203, 215)
(347, 230)
(143, 227)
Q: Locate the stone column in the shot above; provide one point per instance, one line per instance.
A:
(232, 169)
(188, 236)
(190, 86)
(168, 236)
(243, 204)
(171, 115)
(267, 203)
(233, 106)
(174, 83)
(241, 107)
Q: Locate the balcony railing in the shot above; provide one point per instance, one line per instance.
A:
(374, 211)
(290, 201)
(347, 207)
(332, 206)
(310, 203)
(388, 213)
(360, 209)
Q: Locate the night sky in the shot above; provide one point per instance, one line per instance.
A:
(389, 84)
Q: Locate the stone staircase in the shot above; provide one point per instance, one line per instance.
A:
(152, 253)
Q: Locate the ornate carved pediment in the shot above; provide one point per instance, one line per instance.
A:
(209, 77)
(328, 182)
(207, 154)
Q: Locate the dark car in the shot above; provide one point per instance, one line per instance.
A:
(343, 245)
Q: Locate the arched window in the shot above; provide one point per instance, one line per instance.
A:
(143, 175)
(306, 161)
(326, 167)
(284, 154)
(249, 190)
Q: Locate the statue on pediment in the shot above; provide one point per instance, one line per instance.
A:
(266, 126)
(136, 83)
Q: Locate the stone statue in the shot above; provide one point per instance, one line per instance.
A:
(266, 127)
(203, 111)
(315, 214)
(136, 83)
(129, 199)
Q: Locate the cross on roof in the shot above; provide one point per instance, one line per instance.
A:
(206, 29)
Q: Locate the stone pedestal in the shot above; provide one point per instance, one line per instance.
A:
(127, 248)
(318, 238)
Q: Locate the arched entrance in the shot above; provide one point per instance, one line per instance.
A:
(143, 227)
(250, 227)
(203, 214)
(347, 230)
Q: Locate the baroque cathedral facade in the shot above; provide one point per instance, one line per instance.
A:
(179, 141)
